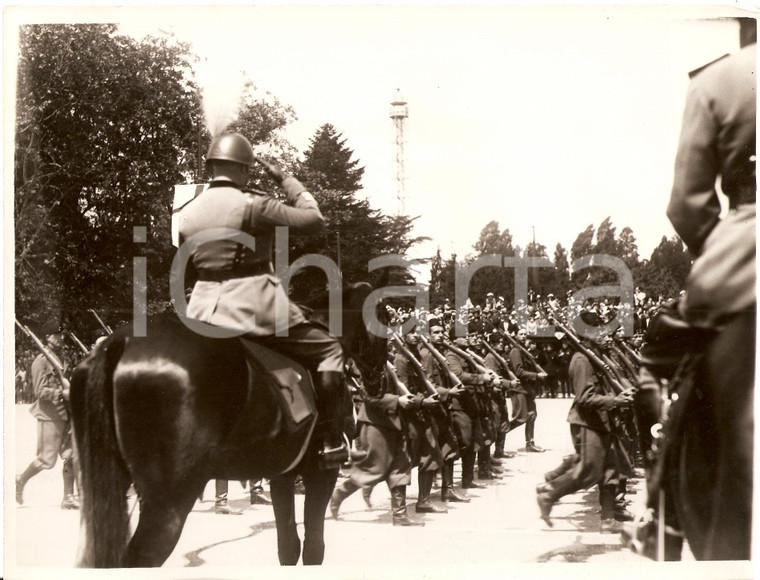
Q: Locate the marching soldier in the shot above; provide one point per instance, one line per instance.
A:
(524, 395)
(381, 438)
(422, 433)
(53, 426)
(596, 461)
(447, 426)
(467, 419)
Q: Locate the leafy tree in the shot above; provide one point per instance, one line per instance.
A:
(442, 274)
(582, 246)
(560, 282)
(666, 271)
(106, 125)
(628, 249)
(498, 280)
(539, 279)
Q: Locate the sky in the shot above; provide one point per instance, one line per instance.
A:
(545, 119)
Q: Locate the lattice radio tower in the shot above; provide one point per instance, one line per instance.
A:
(399, 113)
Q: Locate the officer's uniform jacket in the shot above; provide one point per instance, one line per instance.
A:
(718, 138)
(236, 286)
(591, 405)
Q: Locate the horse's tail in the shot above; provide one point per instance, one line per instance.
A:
(104, 521)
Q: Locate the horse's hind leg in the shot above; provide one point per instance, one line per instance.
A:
(161, 521)
(283, 502)
(319, 486)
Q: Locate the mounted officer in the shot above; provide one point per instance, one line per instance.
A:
(236, 286)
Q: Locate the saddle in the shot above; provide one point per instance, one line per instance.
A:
(291, 384)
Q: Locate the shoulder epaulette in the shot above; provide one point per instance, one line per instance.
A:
(696, 71)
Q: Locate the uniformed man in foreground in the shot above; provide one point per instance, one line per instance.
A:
(236, 285)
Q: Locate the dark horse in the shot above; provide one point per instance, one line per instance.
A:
(704, 472)
(171, 411)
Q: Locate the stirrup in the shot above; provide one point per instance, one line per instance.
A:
(333, 457)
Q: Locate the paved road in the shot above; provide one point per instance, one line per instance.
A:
(500, 528)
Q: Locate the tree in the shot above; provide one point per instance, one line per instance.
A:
(106, 126)
(560, 278)
(666, 271)
(582, 246)
(328, 163)
(498, 280)
(356, 232)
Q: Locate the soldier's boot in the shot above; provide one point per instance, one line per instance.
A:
(70, 502)
(398, 508)
(330, 387)
(33, 469)
(501, 437)
(447, 485)
(531, 447)
(424, 505)
(609, 525)
(367, 495)
(258, 495)
(568, 461)
(468, 470)
(341, 493)
(546, 498)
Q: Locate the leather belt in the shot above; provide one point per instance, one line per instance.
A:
(242, 271)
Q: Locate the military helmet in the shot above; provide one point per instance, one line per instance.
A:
(231, 147)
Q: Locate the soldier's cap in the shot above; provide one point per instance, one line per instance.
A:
(433, 321)
(489, 294)
(591, 318)
(52, 326)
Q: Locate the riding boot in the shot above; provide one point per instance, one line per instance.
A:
(70, 501)
(447, 484)
(568, 461)
(346, 488)
(334, 451)
(398, 508)
(424, 505)
(33, 469)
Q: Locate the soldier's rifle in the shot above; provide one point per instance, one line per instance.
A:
(441, 360)
(416, 365)
(513, 341)
(611, 385)
(467, 356)
(501, 360)
(602, 366)
(632, 354)
(399, 386)
(76, 341)
(100, 321)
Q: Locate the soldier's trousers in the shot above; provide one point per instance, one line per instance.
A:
(386, 460)
(597, 465)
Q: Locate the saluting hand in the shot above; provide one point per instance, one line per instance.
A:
(272, 170)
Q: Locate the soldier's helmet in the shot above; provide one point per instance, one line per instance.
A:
(231, 147)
